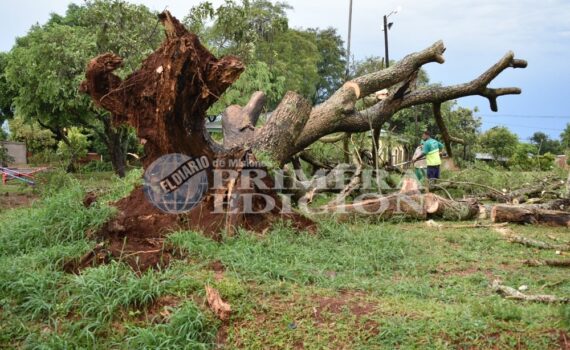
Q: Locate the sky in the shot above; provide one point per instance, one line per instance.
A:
(476, 35)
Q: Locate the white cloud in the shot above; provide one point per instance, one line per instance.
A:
(476, 34)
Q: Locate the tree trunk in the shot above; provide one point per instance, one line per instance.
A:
(526, 215)
(409, 205)
(116, 140)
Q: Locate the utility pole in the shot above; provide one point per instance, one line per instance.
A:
(376, 131)
(347, 72)
(386, 27)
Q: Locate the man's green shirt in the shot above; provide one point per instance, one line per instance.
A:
(431, 151)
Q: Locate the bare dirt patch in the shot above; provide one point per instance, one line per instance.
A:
(16, 200)
(136, 235)
(218, 269)
(564, 340)
(352, 302)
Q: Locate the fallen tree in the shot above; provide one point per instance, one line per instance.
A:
(166, 102)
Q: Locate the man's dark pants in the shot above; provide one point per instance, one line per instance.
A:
(433, 171)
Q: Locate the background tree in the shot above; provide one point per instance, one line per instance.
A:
(46, 66)
(545, 144)
(36, 138)
(365, 66)
(7, 94)
(499, 141)
(308, 61)
(331, 64)
(294, 55)
(523, 156)
(75, 147)
(565, 137)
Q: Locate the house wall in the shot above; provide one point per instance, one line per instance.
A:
(399, 154)
(16, 150)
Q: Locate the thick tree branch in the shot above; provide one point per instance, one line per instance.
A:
(477, 86)
(238, 124)
(331, 115)
(325, 119)
(385, 78)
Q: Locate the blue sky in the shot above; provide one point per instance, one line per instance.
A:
(476, 34)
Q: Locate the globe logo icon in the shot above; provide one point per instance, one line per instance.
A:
(175, 183)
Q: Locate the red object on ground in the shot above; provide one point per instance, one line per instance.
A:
(26, 175)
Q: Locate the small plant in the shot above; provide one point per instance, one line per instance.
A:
(74, 149)
(96, 166)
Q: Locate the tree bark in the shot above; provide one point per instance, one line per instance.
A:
(238, 124)
(409, 205)
(116, 140)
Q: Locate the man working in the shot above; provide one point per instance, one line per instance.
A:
(431, 151)
(420, 162)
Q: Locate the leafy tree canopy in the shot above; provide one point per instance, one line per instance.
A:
(545, 144)
(46, 66)
(7, 94)
(499, 141)
(310, 62)
(35, 137)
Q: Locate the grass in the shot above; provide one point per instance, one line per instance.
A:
(353, 285)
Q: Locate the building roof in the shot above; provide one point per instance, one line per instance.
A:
(489, 156)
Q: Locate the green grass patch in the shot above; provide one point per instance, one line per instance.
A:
(357, 285)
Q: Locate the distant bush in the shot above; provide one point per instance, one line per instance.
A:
(45, 156)
(75, 149)
(53, 181)
(96, 166)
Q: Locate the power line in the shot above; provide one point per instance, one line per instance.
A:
(524, 126)
(523, 116)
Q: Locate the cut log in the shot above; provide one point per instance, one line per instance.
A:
(524, 194)
(448, 209)
(562, 204)
(413, 206)
(526, 215)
